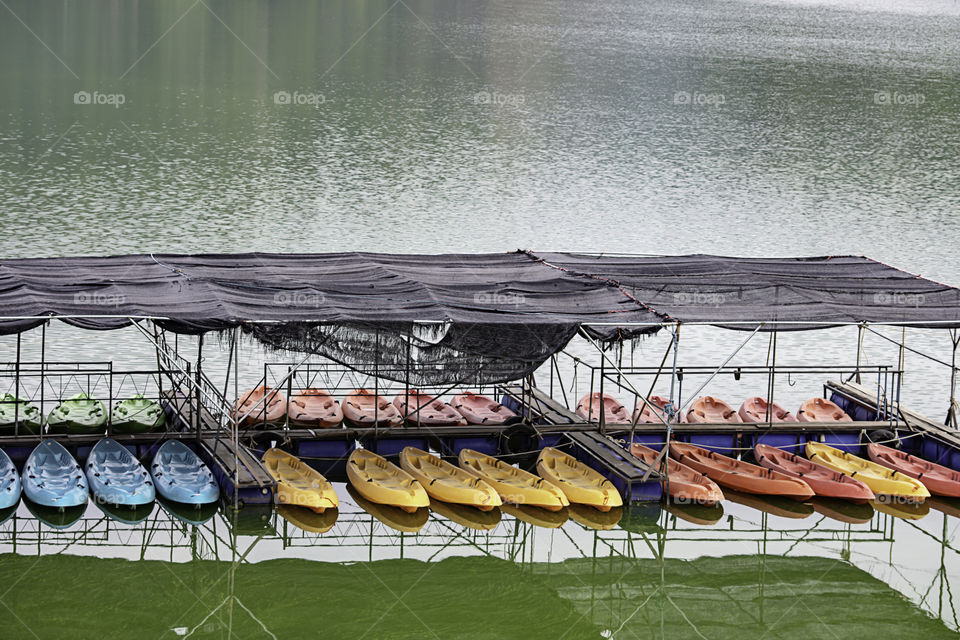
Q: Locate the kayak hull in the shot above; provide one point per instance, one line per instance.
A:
(180, 476)
(260, 406)
(825, 482)
(364, 409)
(382, 482)
(478, 409)
(14, 411)
(298, 484)
(685, 485)
(78, 414)
(137, 415)
(314, 408)
(710, 409)
(882, 481)
(939, 480)
(423, 410)
(53, 478)
(444, 482)
(577, 481)
(739, 475)
(592, 404)
(10, 485)
(116, 477)
(513, 485)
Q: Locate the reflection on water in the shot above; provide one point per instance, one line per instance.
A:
(649, 571)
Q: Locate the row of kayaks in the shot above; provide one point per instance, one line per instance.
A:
(697, 475)
(81, 414)
(317, 408)
(479, 482)
(113, 475)
(705, 409)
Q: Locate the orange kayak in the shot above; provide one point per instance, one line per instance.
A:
(478, 409)
(314, 408)
(251, 408)
(364, 409)
(824, 482)
(755, 410)
(654, 411)
(821, 410)
(590, 405)
(685, 485)
(710, 409)
(424, 410)
(939, 480)
(739, 475)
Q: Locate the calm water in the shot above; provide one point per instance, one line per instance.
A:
(753, 128)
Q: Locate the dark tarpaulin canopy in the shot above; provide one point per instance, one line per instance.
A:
(460, 317)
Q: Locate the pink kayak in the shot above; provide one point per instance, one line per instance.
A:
(710, 409)
(939, 480)
(654, 411)
(423, 410)
(361, 408)
(314, 408)
(251, 408)
(824, 482)
(755, 410)
(821, 410)
(478, 409)
(590, 405)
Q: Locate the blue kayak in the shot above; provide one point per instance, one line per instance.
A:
(52, 478)
(180, 476)
(9, 482)
(116, 476)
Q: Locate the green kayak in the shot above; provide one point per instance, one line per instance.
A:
(137, 415)
(78, 414)
(12, 409)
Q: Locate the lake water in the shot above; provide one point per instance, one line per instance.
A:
(750, 128)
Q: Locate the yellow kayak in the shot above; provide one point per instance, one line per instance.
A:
(580, 483)
(536, 516)
(393, 517)
(881, 480)
(298, 484)
(309, 520)
(447, 483)
(514, 485)
(382, 482)
(467, 516)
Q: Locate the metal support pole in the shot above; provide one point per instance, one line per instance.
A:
(771, 377)
(199, 380)
(859, 349)
(953, 413)
(43, 366)
(16, 391)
